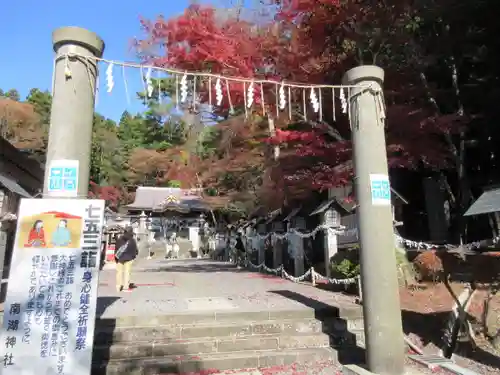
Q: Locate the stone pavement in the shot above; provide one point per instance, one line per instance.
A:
(201, 285)
(317, 368)
(197, 287)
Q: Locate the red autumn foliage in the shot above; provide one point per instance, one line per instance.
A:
(309, 41)
(200, 40)
(328, 37)
(182, 167)
(111, 194)
(235, 170)
(20, 125)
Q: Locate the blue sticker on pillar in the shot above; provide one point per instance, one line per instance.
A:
(380, 190)
(63, 178)
(69, 184)
(56, 172)
(55, 184)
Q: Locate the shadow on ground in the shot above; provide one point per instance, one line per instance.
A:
(430, 329)
(341, 340)
(201, 267)
(123, 350)
(103, 303)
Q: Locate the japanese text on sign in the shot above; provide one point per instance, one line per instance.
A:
(50, 306)
(380, 190)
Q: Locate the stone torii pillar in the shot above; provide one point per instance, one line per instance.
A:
(381, 305)
(73, 98)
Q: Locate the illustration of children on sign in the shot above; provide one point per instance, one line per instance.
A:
(51, 229)
(61, 236)
(36, 237)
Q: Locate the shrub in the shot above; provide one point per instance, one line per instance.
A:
(429, 265)
(347, 268)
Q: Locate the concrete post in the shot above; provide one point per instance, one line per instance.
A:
(261, 229)
(298, 246)
(381, 306)
(142, 235)
(72, 113)
(277, 252)
(194, 238)
(330, 246)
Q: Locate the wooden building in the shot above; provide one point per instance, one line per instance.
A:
(169, 207)
(20, 177)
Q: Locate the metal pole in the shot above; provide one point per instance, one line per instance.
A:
(72, 113)
(381, 306)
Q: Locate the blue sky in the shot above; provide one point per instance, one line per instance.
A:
(27, 55)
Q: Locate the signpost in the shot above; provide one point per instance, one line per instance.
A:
(50, 309)
(63, 178)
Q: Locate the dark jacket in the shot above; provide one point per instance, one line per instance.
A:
(131, 252)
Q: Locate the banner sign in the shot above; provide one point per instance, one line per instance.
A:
(50, 309)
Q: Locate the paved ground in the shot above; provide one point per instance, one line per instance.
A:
(199, 285)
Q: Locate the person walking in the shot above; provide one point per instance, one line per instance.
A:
(126, 252)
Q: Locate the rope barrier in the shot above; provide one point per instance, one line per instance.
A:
(310, 274)
(423, 246)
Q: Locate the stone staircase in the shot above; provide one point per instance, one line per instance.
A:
(224, 341)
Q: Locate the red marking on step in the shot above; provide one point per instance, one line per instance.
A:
(202, 372)
(275, 279)
(156, 284)
(151, 284)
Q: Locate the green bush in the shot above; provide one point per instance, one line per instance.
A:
(347, 268)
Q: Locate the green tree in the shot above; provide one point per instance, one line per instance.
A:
(131, 131)
(13, 94)
(208, 142)
(107, 157)
(42, 103)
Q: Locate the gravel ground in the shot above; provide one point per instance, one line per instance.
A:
(316, 368)
(476, 366)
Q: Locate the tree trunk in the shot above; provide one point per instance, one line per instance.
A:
(272, 132)
(464, 194)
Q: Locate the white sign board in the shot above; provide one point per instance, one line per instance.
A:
(380, 190)
(63, 178)
(49, 312)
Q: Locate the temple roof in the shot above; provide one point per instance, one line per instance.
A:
(488, 202)
(166, 199)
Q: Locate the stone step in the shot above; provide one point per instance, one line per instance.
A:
(213, 362)
(107, 335)
(204, 317)
(208, 345)
(349, 317)
(226, 320)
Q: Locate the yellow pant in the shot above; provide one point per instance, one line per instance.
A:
(123, 271)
